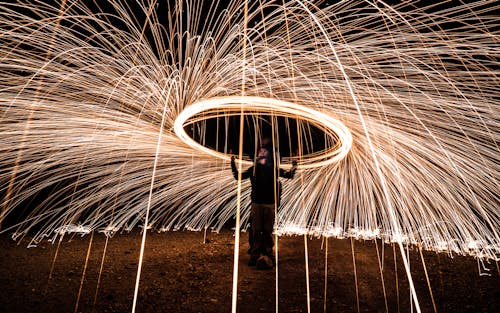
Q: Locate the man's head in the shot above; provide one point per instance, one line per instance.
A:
(263, 156)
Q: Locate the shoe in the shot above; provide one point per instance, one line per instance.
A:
(264, 263)
(271, 256)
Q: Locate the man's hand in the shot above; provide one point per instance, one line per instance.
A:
(233, 167)
(291, 172)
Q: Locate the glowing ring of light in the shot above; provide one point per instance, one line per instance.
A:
(235, 104)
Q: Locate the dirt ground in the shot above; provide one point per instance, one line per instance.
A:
(181, 273)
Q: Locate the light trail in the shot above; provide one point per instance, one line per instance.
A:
(306, 263)
(101, 267)
(396, 276)
(427, 93)
(257, 105)
(427, 278)
(356, 276)
(148, 208)
(234, 295)
(326, 274)
(380, 259)
(407, 97)
(84, 272)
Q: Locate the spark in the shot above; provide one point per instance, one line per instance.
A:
(410, 93)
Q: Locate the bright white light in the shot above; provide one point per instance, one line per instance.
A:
(259, 105)
(411, 98)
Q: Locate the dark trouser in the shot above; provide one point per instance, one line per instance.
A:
(261, 231)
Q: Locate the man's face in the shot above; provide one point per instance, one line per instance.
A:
(262, 155)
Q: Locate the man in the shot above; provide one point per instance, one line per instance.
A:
(266, 192)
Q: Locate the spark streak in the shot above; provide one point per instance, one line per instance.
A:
(410, 92)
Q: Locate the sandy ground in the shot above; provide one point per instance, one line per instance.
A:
(181, 273)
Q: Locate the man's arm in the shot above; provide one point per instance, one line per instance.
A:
(246, 174)
(233, 168)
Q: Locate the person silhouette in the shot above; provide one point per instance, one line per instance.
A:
(265, 197)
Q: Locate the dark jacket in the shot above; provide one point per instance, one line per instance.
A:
(265, 181)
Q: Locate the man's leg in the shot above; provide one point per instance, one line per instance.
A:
(256, 233)
(266, 261)
(267, 233)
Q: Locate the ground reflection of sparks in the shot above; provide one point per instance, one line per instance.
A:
(89, 97)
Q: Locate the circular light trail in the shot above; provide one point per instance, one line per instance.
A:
(259, 105)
